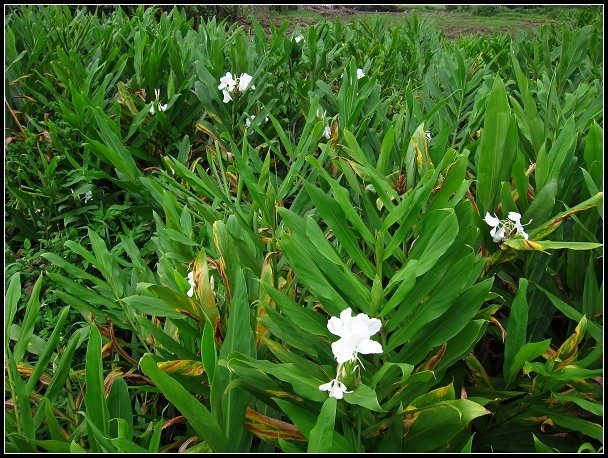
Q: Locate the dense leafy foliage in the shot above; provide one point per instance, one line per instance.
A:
(174, 259)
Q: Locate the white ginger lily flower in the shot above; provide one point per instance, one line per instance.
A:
(327, 132)
(88, 196)
(516, 218)
(227, 82)
(502, 229)
(498, 229)
(161, 106)
(299, 38)
(227, 97)
(360, 73)
(354, 333)
(190, 292)
(250, 119)
(336, 388)
(244, 81)
(428, 134)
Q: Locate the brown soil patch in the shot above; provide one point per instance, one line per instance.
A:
(451, 29)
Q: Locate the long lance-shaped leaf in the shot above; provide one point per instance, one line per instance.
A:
(94, 398)
(516, 328)
(497, 148)
(321, 435)
(534, 125)
(341, 195)
(239, 338)
(112, 150)
(332, 213)
(32, 310)
(48, 351)
(271, 429)
(549, 164)
(11, 300)
(547, 228)
(543, 245)
(199, 417)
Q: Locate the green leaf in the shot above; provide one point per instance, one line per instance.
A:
(320, 439)
(332, 213)
(516, 329)
(496, 149)
(94, 397)
(203, 422)
(11, 300)
(119, 406)
(64, 366)
(540, 447)
(364, 396)
(47, 353)
(239, 338)
(593, 328)
(32, 311)
(526, 353)
(521, 244)
(593, 407)
(153, 306)
(435, 425)
(208, 351)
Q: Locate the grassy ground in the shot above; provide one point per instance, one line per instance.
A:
(454, 22)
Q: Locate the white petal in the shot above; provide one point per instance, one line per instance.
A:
(373, 324)
(369, 346)
(335, 326)
(491, 220)
(343, 350)
(190, 292)
(500, 235)
(346, 315)
(327, 132)
(227, 97)
(244, 81)
(359, 331)
(520, 231)
(516, 217)
(326, 386)
(338, 390)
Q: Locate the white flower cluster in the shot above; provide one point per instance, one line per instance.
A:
(506, 228)
(161, 106)
(190, 292)
(249, 120)
(299, 38)
(354, 333)
(327, 131)
(228, 84)
(360, 73)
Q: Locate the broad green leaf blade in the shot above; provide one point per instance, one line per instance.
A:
(321, 435)
(119, 407)
(47, 352)
(497, 148)
(364, 396)
(203, 422)
(94, 397)
(32, 310)
(516, 329)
